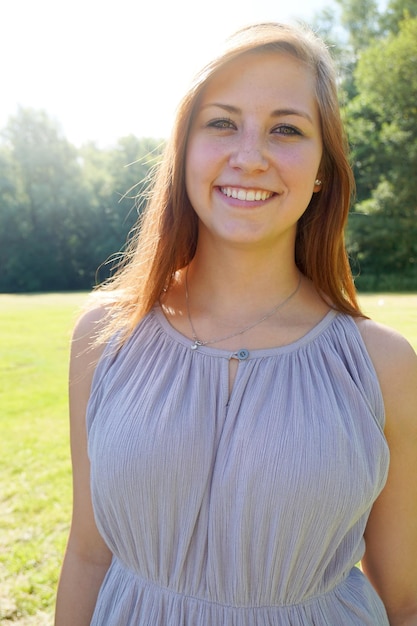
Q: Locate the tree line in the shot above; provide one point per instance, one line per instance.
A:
(65, 212)
(376, 54)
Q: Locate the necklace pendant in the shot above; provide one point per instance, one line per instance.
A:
(196, 344)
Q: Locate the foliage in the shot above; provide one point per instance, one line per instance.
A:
(359, 18)
(64, 211)
(377, 55)
(397, 11)
(382, 123)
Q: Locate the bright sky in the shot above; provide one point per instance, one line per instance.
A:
(105, 68)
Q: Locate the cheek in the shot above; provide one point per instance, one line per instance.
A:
(300, 159)
(301, 168)
(200, 165)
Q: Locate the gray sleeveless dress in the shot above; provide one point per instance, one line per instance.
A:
(246, 510)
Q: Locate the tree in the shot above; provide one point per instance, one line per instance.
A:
(64, 211)
(117, 181)
(382, 124)
(47, 177)
(12, 222)
(360, 19)
(397, 11)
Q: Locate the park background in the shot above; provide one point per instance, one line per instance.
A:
(71, 189)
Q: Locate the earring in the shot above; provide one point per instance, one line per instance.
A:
(317, 182)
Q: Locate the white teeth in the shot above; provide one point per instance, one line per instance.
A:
(250, 195)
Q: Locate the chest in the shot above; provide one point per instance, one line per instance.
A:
(282, 427)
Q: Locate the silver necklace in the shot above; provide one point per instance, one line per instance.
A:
(197, 343)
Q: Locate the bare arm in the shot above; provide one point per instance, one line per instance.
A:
(390, 560)
(87, 557)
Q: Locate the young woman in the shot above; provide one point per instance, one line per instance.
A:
(232, 411)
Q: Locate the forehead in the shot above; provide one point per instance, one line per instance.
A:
(270, 78)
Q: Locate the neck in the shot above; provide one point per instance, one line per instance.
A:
(252, 281)
(240, 331)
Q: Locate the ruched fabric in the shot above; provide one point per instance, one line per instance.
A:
(240, 510)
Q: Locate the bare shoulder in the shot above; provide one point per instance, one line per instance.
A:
(389, 350)
(85, 350)
(88, 325)
(395, 363)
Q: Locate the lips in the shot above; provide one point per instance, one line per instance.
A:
(249, 195)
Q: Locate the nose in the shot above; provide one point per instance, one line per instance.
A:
(249, 153)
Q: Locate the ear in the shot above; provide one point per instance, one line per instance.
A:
(318, 185)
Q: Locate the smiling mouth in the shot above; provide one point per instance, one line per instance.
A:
(250, 195)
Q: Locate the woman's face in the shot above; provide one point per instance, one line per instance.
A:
(254, 151)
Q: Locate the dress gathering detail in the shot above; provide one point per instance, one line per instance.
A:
(240, 509)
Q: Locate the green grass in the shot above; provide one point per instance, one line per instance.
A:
(35, 479)
(396, 310)
(35, 482)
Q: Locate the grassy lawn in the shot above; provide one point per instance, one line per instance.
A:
(397, 311)
(35, 484)
(35, 487)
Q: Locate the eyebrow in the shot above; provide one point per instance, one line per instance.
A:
(276, 113)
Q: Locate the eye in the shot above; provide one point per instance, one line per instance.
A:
(222, 123)
(287, 130)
